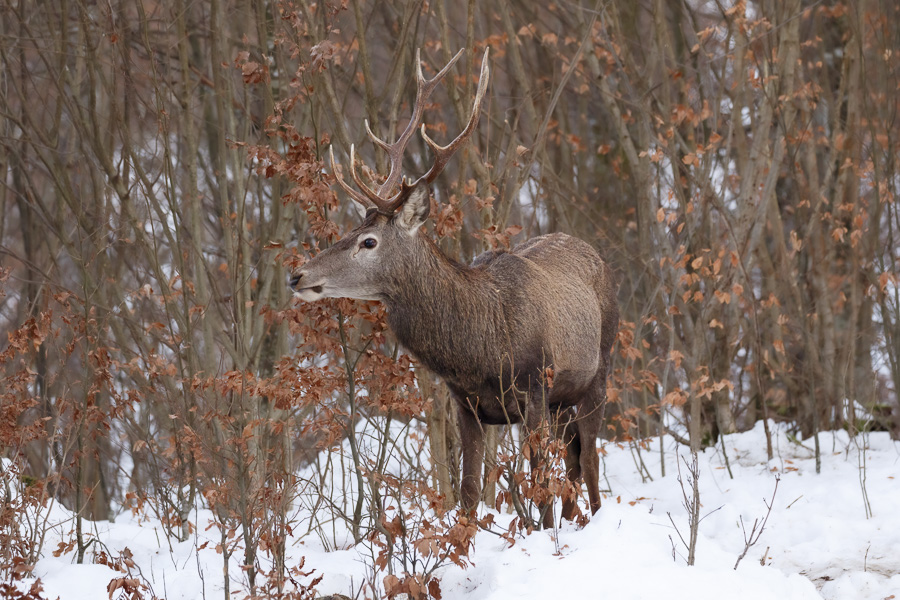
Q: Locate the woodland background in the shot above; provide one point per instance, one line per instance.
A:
(162, 169)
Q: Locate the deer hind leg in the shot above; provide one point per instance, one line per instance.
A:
(588, 424)
(565, 430)
(471, 437)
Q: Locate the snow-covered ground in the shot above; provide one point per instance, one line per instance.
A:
(818, 542)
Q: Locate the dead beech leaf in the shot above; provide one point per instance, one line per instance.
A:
(838, 234)
(690, 159)
(796, 242)
(675, 398)
(390, 582)
(526, 31)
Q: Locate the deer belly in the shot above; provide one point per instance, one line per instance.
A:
(489, 405)
(495, 413)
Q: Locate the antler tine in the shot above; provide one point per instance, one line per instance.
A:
(376, 200)
(424, 89)
(378, 141)
(442, 154)
(356, 196)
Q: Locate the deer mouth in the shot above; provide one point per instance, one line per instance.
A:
(310, 294)
(306, 292)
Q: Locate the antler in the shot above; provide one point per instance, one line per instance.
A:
(370, 198)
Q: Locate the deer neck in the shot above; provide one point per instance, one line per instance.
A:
(447, 314)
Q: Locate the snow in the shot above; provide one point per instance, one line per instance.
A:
(817, 543)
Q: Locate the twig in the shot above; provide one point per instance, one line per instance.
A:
(750, 540)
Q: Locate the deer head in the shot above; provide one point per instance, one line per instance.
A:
(366, 261)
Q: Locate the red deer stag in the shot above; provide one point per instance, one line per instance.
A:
(490, 330)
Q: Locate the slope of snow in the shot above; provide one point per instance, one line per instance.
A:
(818, 541)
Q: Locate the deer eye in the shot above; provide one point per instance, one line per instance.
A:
(369, 243)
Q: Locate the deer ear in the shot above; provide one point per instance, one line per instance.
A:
(415, 210)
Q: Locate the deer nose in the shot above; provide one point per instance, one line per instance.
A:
(295, 281)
